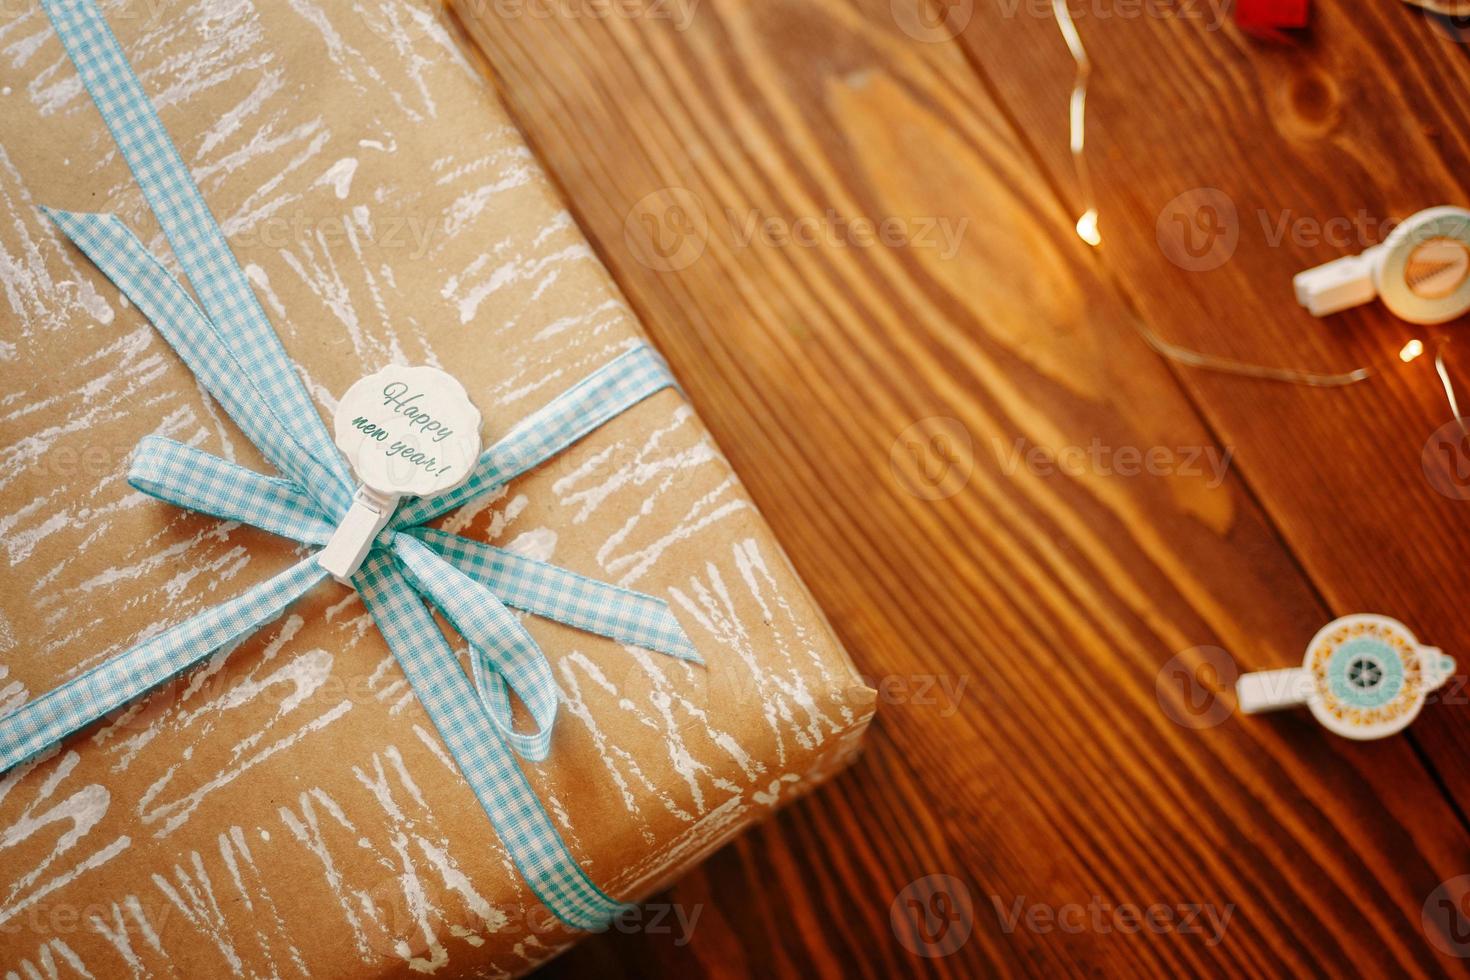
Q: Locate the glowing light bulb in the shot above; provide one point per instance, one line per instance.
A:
(1411, 350)
(1087, 228)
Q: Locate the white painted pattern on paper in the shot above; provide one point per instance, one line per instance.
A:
(393, 270)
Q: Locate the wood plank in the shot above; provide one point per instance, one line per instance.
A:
(1318, 147)
(1066, 769)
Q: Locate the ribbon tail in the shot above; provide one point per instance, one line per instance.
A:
(202, 482)
(501, 650)
(198, 244)
(604, 394)
(488, 764)
(634, 618)
(122, 258)
(39, 724)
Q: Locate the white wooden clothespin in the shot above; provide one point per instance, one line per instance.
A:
(1421, 271)
(406, 431)
(1363, 677)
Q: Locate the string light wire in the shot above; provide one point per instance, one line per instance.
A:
(1449, 386)
(1089, 231)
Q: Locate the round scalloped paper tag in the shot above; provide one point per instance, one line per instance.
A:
(408, 431)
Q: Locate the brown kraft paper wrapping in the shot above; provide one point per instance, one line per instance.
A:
(287, 808)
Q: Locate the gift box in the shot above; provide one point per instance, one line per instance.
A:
(287, 807)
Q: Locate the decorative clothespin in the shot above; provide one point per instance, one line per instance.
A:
(1421, 271)
(1363, 677)
(405, 431)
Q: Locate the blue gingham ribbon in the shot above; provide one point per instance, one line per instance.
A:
(228, 343)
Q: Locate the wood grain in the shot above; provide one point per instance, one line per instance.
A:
(1087, 759)
(1320, 147)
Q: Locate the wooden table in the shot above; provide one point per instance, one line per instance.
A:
(940, 411)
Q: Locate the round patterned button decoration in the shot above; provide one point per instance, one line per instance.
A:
(1365, 673)
(1370, 676)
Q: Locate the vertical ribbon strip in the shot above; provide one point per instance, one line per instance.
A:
(201, 250)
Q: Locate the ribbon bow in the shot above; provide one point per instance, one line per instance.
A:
(228, 343)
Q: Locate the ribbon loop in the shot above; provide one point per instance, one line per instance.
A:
(195, 480)
(619, 614)
(121, 257)
(501, 651)
(516, 813)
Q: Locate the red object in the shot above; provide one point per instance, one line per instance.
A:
(1268, 18)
